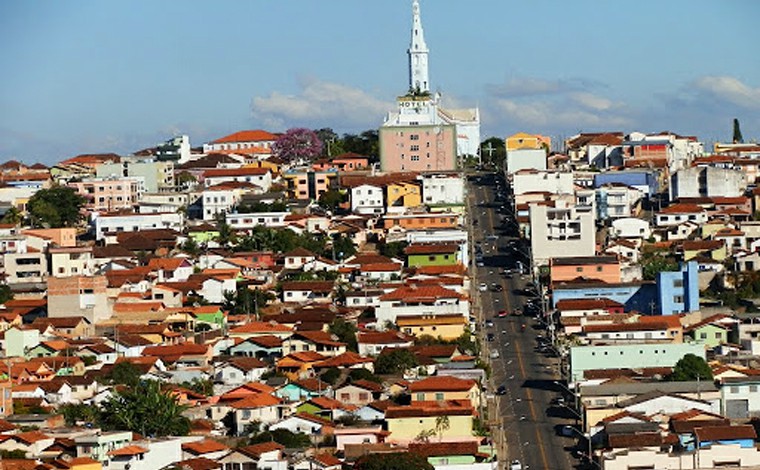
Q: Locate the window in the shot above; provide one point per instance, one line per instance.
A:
(718, 335)
(734, 389)
(579, 269)
(414, 148)
(439, 396)
(345, 396)
(753, 388)
(414, 137)
(599, 269)
(420, 397)
(678, 283)
(678, 299)
(703, 335)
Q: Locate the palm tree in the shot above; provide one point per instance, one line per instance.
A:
(12, 216)
(442, 425)
(145, 409)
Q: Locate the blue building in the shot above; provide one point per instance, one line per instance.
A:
(645, 180)
(678, 291)
(673, 292)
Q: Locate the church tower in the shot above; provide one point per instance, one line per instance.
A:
(418, 54)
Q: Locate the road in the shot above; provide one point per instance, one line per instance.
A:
(528, 421)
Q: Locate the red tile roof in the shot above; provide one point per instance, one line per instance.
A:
(442, 384)
(256, 450)
(232, 172)
(247, 136)
(725, 433)
(206, 446)
(587, 304)
(414, 293)
(682, 209)
(128, 450)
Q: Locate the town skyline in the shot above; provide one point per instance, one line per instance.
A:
(117, 78)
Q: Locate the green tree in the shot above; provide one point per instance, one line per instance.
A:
(227, 235)
(393, 461)
(363, 374)
(345, 331)
(738, 138)
(185, 179)
(6, 293)
(191, 247)
(493, 151)
(331, 375)
(654, 263)
(77, 413)
(57, 206)
(123, 373)
(287, 438)
(12, 216)
(197, 385)
(691, 367)
(330, 200)
(395, 362)
(145, 409)
(343, 247)
(366, 144)
(442, 424)
(393, 249)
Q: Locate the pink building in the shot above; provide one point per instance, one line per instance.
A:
(418, 148)
(109, 194)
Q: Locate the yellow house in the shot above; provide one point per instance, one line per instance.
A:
(443, 326)
(403, 195)
(84, 463)
(715, 249)
(522, 140)
(710, 228)
(445, 388)
(405, 423)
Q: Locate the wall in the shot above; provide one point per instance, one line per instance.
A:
(418, 148)
(679, 291)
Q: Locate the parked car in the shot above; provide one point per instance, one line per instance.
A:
(483, 287)
(502, 314)
(490, 337)
(496, 287)
(502, 390)
(494, 354)
(515, 465)
(489, 323)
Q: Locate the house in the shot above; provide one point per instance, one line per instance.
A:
(420, 300)
(260, 177)
(602, 268)
(561, 231)
(182, 355)
(320, 461)
(356, 436)
(240, 370)
(433, 254)
(206, 448)
(327, 408)
(402, 196)
(171, 269)
(153, 454)
(262, 408)
(319, 341)
(739, 397)
(440, 388)
(307, 291)
(299, 364)
(304, 389)
(260, 328)
(265, 347)
(359, 392)
(447, 327)
(33, 443)
(367, 199)
(679, 213)
(306, 423)
(74, 327)
(371, 343)
(265, 455)
(711, 331)
(405, 423)
(96, 444)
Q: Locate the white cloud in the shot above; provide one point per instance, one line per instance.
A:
(591, 101)
(321, 103)
(730, 89)
(533, 86)
(546, 115)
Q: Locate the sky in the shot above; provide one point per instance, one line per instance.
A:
(94, 76)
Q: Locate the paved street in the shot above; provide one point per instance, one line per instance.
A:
(529, 422)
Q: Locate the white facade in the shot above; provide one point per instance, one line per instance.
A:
(526, 159)
(419, 79)
(261, 179)
(388, 311)
(136, 222)
(219, 200)
(674, 218)
(707, 182)
(442, 190)
(255, 219)
(367, 199)
(631, 227)
(233, 375)
(554, 182)
(151, 203)
(560, 232)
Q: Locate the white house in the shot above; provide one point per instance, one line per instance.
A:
(420, 300)
(554, 182)
(442, 189)
(680, 213)
(631, 227)
(367, 199)
(561, 231)
(247, 221)
(261, 177)
(302, 423)
(116, 223)
(222, 198)
(240, 370)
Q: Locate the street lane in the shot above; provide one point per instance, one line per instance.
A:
(528, 377)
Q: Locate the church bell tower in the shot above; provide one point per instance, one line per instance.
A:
(418, 54)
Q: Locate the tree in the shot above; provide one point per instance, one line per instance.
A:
(285, 437)
(298, 145)
(366, 143)
(123, 373)
(333, 145)
(12, 216)
(654, 263)
(442, 424)
(738, 139)
(6, 294)
(691, 367)
(343, 247)
(363, 374)
(55, 207)
(393, 249)
(345, 331)
(185, 179)
(395, 362)
(145, 409)
(330, 200)
(493, 151)
(227, 235)
(191, 247)
(331, 375)
(393, 461)
(77, 413)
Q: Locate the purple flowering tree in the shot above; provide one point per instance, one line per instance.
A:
(298, 145)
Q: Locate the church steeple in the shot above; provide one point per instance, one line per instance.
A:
(418, 54)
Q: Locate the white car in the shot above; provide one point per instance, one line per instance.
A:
(515, 465)
(494, 354)
(483, 287)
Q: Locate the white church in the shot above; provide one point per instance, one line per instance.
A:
(421, 135)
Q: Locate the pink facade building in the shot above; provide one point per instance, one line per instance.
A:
(418, 148)
(109, 194)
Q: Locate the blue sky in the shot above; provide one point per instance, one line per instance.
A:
(99, 76)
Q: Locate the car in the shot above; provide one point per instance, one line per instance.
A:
(515, 465)
(480, 264)
(489, 323)
(483, 287)
(568, 431)
(494, 354)
(490, 337)
(502, 390)
(502, 314)
(496, 287)
(492, 237)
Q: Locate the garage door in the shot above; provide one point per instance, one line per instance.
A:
(737, 409)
